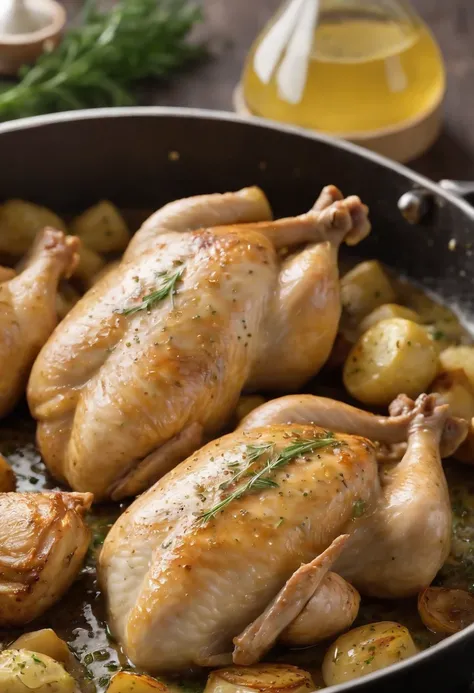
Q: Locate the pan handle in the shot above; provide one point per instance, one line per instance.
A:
(458, 187)
(416, 204)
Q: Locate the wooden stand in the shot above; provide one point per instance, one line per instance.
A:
(401, 142)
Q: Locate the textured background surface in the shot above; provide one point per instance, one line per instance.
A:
(232, 25)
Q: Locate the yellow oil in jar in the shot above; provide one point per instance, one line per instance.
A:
(366, 72)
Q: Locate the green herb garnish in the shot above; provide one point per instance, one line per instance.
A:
(167, 288)
(97, 63)
(253, 452)
(262, 478)
(358, 509)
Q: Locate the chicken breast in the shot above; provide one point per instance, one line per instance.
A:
(189, 565)
(151, 362)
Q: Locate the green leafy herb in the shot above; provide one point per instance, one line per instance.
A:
(253, 452)
(37, 660)
(98, 62)
(262, 478)
(358, 509)
(167, 288)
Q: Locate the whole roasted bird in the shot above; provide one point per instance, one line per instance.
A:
(209, 559)
(151, 362)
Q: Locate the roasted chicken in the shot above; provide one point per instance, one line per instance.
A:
(28, 310)
(230, 525)
(43, 541)
(176, 564)
(151, 362)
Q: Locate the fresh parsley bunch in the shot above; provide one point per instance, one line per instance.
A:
(98, 62)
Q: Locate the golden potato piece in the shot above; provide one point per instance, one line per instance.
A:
(386, 312)
(45, 642)
(394, 356)
(24, 670)
(248, 403)
(102, 228)
(446, 610)
(459, 357)
(366, 649)
(280, 678)
(465, 453)
(126, 682)
(90, 264)
(457, 391)
(365, 288)
(20, 221)
(7, 476)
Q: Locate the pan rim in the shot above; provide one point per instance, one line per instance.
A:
(253, 121)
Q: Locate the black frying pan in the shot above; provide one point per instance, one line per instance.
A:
(143, 157)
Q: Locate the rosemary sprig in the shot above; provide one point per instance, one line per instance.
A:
(167, 288)
(262, 478)
(98, 62)
(252, 453)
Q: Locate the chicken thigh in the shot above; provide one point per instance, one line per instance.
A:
(28, 309)
(194, 560)
(151, 362)
(43, 541)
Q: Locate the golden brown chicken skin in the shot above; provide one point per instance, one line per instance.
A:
(43, 541)
(199, 572)
(180, 587)
(151, 362)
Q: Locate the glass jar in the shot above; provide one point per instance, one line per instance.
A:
(344, 67)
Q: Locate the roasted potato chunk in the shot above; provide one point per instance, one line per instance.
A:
(126, 682)
(20, 221)
(24, 670)
(459, 357)
(446, 611)
(45, 642)
(365, 288)
(260, 677)
(386, 312)
(457, 391)
(393, 356)
(102, 228)
(366, 649)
